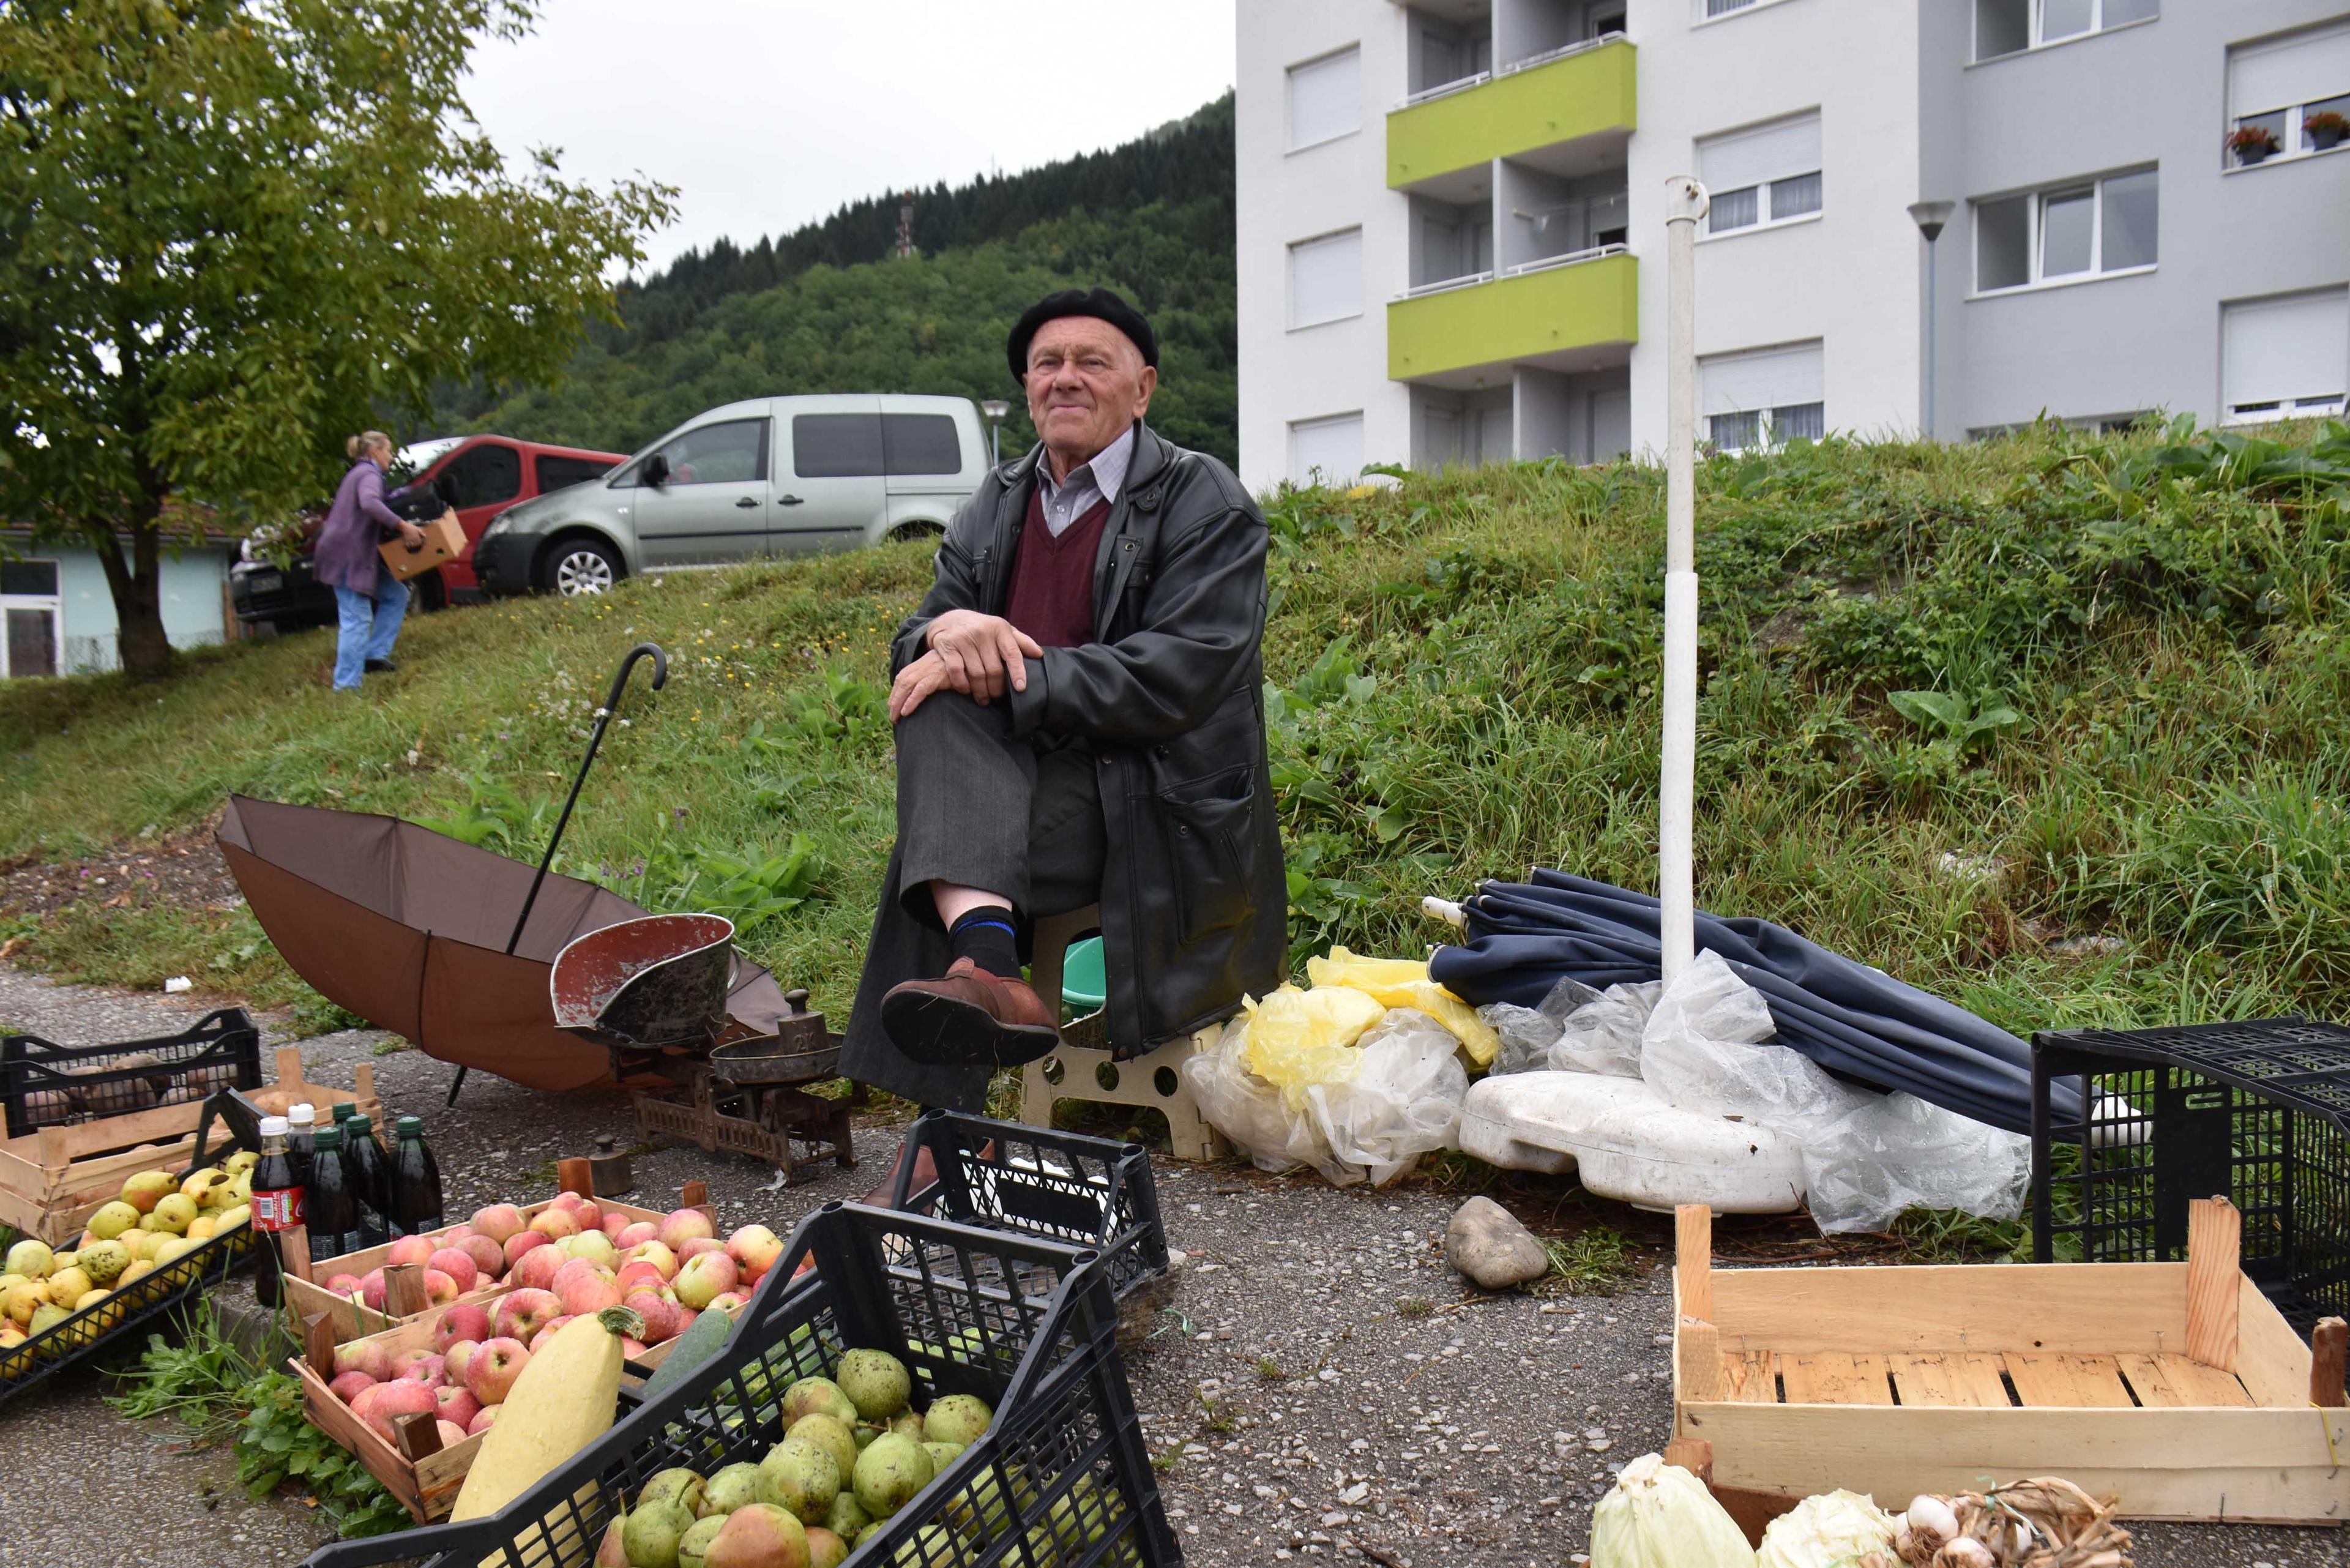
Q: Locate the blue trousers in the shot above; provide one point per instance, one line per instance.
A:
(369, 626)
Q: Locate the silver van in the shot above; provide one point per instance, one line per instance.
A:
(772, 476)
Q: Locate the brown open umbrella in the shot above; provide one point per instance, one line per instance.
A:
(408, 927)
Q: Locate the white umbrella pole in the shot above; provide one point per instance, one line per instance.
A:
(1685, 203)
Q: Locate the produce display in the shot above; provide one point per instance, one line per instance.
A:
(157, 1218)
(1660, 1516)
(677, 1265)
(855, 1451)
(559, 1401)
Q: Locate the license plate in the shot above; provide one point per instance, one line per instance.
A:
(266, 582)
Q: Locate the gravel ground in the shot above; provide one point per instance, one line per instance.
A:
(1322, 1387)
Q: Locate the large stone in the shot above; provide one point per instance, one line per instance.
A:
(1486, 1242)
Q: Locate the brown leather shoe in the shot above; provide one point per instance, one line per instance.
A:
(969, 1018)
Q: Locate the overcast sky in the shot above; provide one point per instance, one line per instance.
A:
(768, 113)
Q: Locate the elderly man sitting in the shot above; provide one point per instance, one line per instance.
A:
(1079, 721)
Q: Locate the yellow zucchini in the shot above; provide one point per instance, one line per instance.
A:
(563, 1401)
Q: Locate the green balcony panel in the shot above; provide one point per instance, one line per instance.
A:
(1582, 304)
(1584, 94)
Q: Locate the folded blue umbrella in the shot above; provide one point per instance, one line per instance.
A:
(1857, 1021)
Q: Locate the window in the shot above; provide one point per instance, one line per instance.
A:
(2297, 89)
(1763, 397)
(1325, 98)
(835, 446)
(2286, 357)
(1770, 174)
(29, 615)
(481, 476)
(1325, 279)
(1724, 7)
(733, 452)
(1327, 452)
(560, 472)
(2091, 229)
(2011, 26)
(919, 443)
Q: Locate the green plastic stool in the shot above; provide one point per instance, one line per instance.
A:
(1085, 985)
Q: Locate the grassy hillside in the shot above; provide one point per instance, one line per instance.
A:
(2133, 652)
(829, 307)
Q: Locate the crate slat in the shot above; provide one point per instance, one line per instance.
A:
(1835, 1377)
(2068, 1382)
(1950, 1379)
(2175, 1381)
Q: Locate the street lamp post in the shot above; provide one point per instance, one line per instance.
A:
(994, 409)
(1930, 217)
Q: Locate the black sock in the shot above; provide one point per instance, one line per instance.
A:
(985, 936)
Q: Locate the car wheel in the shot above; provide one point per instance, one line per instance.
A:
(904, 533)
(580, 565)
(431, 593)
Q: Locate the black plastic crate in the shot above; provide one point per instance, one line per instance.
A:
(1065, 1187)
(135, 1306)
(1029, 1325)
(43, 1084)
(2257, 1112)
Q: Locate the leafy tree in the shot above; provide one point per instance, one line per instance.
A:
(232, 231)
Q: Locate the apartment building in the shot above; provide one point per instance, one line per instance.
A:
(1451, 219)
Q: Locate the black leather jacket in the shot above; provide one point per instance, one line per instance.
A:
(1194, 899)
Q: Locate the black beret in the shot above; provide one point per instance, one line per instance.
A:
(1098, 303)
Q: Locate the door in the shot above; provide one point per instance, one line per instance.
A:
(830, 494)
(32, 611)
(1611, 425)
(481, 481)
(712, 506)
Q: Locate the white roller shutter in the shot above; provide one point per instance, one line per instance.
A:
(1325, 279)
(2303, 68)
(1330, 450)
(1325, 98)
(1770, 151)
(2277, 350)
(1759, 379)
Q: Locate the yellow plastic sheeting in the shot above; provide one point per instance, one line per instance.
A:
(1404, 982)
(1300, 1037)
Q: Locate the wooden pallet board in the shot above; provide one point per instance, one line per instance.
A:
(2068, 1381)
(1835, 1377)
(2177, 1381)
(1960, 1378)
(1749, 1377)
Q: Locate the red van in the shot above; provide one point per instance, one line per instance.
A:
(480, 475)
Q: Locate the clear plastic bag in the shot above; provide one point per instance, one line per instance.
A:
(1404, 1100)
(1526, 1037)
(1251, 1113)
(1602, 1033)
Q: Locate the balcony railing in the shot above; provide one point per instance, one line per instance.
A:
(1539, 264)
(1463, 84)
(1445, 89)
(1422, 290)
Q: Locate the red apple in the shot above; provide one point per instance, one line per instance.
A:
(521, 1313)
(659, 1315)
(567, 1201)
(409, 1250)
(552, 1326)
(466, 1320)
(490, 1375)
(754, 1249)
(632, 1349)
(489, 1257)
(536, 1269)
(450, 1433)
(636, 1233)
(636, 1275)
(371, 1356)
(727, 1300)
(522, 1241)
(401, 1396)
(613, 1223)
(555, 1222)
(458, 1404)
(500, 1222)
(439, 1288)
(346, 1385)
(679, 1225)
(582, 1287)
(371, 1289)
(428, 1369)
(705, 1278)
(451, 1237)
(453, 1359)
(342, 1284)
(481, 1423)
(456, 1263)
(658, 1255)
(697, 1245)
(590, 1215)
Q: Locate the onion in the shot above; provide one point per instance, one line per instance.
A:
(1932, 1523)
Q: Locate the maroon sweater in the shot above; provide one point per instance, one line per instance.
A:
(1052, 594)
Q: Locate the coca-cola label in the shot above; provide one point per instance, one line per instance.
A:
(278, 1210)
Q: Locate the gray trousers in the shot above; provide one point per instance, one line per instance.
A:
(979, 809)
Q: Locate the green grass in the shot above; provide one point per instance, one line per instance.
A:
(1466, 669)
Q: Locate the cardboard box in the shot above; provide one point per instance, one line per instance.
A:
(444, 540)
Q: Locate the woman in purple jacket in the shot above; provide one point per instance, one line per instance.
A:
(371, 599)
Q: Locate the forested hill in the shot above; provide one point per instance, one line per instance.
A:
(830, 308)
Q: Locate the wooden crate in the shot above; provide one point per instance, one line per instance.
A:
(2177, 1387)
(53, 1179)
(424, 1475)
(305, 1296)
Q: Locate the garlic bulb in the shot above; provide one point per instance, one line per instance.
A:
(1966, 1551)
